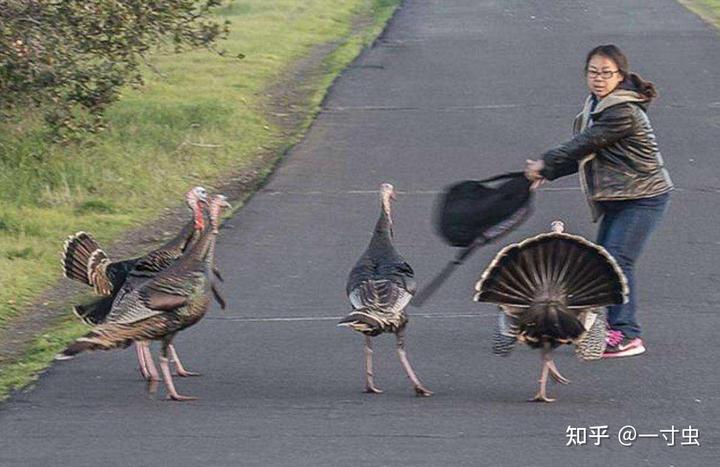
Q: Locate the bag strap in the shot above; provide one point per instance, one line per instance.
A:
(427, 291)
(502, 176)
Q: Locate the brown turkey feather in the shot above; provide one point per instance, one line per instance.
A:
(553, 267)
(551, 289)
(77, 252)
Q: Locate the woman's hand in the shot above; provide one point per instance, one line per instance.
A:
(532, 172)
(533, 169)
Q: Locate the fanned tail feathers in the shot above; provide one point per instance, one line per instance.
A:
(553, 267)
(548, 284)
(83, 260)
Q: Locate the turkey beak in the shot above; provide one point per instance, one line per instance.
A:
(393, 196)
(227, 205)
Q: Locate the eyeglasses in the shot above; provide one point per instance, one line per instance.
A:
(605, 74)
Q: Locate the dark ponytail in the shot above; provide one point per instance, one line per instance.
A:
(646, 88)
(612, 52)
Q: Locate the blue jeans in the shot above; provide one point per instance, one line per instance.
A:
(624, 230)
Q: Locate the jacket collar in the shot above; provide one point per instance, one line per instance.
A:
(619, 96)
(616, 97)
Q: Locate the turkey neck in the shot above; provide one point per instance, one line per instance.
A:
(200, 233)
(210, 251)
(204, 247)
(183, 239)
(162, 257)
(382, 238)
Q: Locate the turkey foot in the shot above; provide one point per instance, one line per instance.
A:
(172, 393)
(180, 369)
(420, 390)
(555, 374)
(541, 395)
(152, 387)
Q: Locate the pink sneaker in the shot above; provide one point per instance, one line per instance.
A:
(613, 337)
(619, 345)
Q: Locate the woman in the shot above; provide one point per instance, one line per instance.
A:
(621, 172)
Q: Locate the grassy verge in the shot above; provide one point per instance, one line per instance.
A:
(200, 119)
(39, 355)
(709, 10)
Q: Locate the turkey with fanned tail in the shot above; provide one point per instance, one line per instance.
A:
(379, 287)
(551, 290)
(85, 261)
(174, 299)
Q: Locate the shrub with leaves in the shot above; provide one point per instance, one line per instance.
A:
(70, 58)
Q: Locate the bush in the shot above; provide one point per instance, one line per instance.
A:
(70, 58)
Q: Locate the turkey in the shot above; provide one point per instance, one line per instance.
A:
(380, 286)
(158, 309)
(551, 290)
(84, 261)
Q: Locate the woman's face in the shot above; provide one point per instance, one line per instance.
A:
(603, 76)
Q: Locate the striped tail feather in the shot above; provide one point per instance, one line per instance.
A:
(83, 260)
(74, 349)
(553, 267)
(94, 340)
(372, 321)
(378, 306)
(361, 322)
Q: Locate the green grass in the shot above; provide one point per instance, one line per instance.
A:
(201, 117)
(706, 9)
(36, 359)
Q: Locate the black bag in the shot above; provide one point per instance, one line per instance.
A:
(472, 213)
(482, 210)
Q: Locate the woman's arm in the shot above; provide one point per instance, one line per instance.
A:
(613, 124)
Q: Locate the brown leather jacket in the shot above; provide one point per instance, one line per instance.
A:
(614, 149)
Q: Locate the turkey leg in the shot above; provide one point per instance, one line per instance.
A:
(141, 361)
(369, 375)
(555, 374)
(147, 366)
(167, 376)
(541, 395)
(218, 298)
(181, 371)
(420, 390)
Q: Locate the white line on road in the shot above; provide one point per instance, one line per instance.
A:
(286, 319)
(463, 108)
(375, 192)
(710, 190)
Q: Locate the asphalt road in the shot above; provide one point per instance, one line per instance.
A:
(455, 89)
